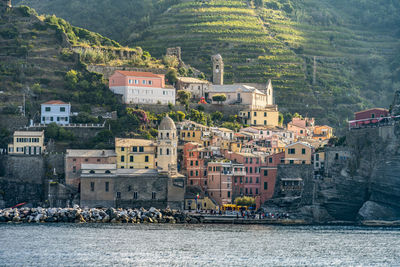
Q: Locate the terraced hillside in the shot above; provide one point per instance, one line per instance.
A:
(327, 58)
(41, 58)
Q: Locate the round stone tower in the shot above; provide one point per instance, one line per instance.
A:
(167, 144)
(218, 69)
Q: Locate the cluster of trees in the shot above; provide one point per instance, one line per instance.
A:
(245, 201)
(58, 133)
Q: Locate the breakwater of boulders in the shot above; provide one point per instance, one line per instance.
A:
(94, 215)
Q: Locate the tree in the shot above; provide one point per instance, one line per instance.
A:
(245, 201)
(180, 115)
(217, 116)
(72, 79)
(281, 119)
(234, 126)
(219, 98)
(171, 76)
(184, 96)
(170, 61)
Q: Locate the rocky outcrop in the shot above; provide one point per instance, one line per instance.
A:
(110, 215)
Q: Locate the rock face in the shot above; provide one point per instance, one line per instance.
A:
(367, 185)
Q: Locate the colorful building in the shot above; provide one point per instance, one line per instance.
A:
(371, 114)
(195, 164)
(141, 88)
(267, 116)
(268, 174)
(323, 132)
(135, 153)
(74, 159)
(27, 143)
(298, 153)
(251, 180)
(219, 185)
(55, 111)
(167, 145)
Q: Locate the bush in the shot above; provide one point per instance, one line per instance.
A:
(245, 201)
(11, 109)
(219, 98)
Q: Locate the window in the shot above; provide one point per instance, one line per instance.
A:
(118, 194)
(197, 163)
(107, 171)
(303, 162)
(74, 169)
(167, 151)
(160, 151)
(291, 151)
(372, 115)
(92, 186)
(122, 148)
(336, 156)
(136, 81)
(141, 149)
(150, 82)
(107, 186)
(48, 109)
(301, 131)
(122, 158)
(51, 118)
(291, 161)
(62, 109)
(247, 191)
(255, 122)
(241, 180)
(251, 169)
(251, 191)
(197, 173)
(144, 82)
(153, 195)
(130, 167)
(317, 157)
(191, 173)
(256, 191)
(191, 163)
(131, 158)
(303, 151)
(255, 113)
(235, 180)
(134, 149)
(265, 172)
(265, 185)
(229, 194)
(257, 180)
(270, 160)
(247, 180)
(191, 182)
(251, 160)
(92, 171)
(265, 122)
(135, 195)
(265, 114)
(129, 188)
(251, 180)
(146, 159)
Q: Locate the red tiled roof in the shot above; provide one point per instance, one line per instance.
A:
(371, 109)
(139, 74)
(55, 102)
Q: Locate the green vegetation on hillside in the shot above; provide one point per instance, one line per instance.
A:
(353, 44)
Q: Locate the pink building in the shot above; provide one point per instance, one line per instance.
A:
(141, 87)
(301, 126)
(76, 157)
(251, 181)
(268, 175)
(219, 185)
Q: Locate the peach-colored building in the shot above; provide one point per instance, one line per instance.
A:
(323, 132)
(302, 127)
(141, 87)
(74, 159)
(219, 185)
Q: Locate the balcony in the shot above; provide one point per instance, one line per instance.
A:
(239, 173)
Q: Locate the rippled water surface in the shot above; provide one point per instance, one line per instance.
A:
(196, 245)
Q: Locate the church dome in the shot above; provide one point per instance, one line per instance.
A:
(167, 124)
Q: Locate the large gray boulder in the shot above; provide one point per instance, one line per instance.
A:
(375, 211)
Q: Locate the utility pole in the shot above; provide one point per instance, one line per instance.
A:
(315, 70)
(23, 107)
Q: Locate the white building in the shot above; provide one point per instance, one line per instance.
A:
(141, 88)
(55, 111)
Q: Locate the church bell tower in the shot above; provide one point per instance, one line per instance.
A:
(218, 69)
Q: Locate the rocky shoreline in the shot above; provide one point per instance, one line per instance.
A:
(94, 215)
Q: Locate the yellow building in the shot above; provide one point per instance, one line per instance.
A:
(323, 132)
(298, 153)
(203, 203)
(236, 147)
(268, 116)
(135, 153)
(27, 143)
